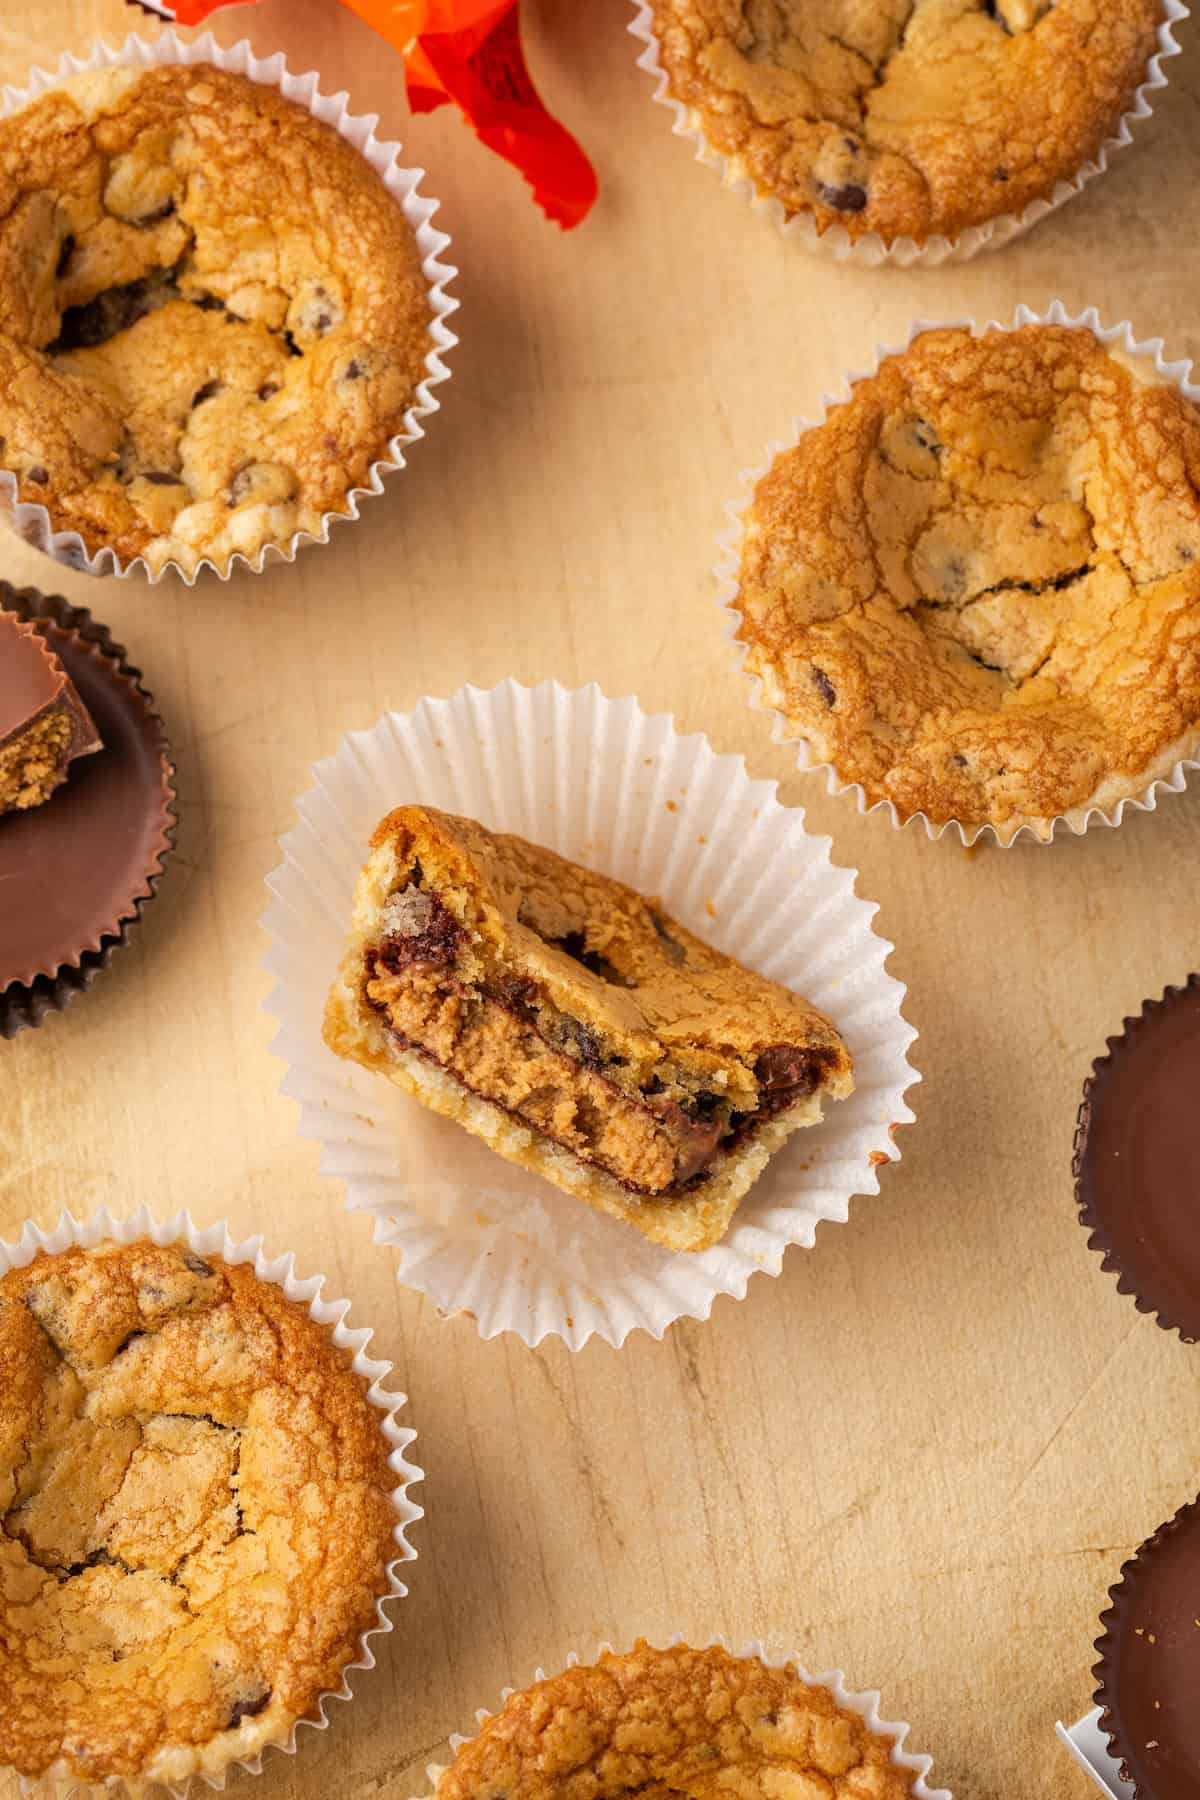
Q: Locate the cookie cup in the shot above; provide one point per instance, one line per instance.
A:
(865, 1704)
(31, 522)
(180, 1769)
(602, 783)
(1167, 774)
(871, 251)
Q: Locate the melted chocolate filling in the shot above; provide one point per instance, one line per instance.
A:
(419, 929)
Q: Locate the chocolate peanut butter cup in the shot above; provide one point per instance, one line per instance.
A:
(44, 725)
(76, 870)
(1137, 1160)
(1148, 1673)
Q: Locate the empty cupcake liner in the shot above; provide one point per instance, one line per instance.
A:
(871, 250)
(26, 1002)
(1166, 775)
(173, 1773)
(30, 521)
(603, 783)
(865, 1704)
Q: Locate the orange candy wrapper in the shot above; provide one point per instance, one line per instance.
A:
(468, 51)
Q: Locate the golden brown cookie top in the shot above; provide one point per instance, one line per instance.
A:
(695, 1723)
(212, 313)
(604, 952)
(975, 588)
(195, 1512)
(907, 117)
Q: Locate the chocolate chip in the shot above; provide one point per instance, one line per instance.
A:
(673, 948)
(420, 930)
(66, 251)
(1000, 174)
(208, 392)
(353, 371)
(268, 390)
(584, 1045)
(1186, 553)
(156, 217)
(161, 478)
(322, 322)
(786, 1072)
(958, 759)
(416, 874)
(851, 145)
(824, 687)
(575, 946)
(247, 1709)
(38, 474)
(197, 1265)
(848, 198)
(116, 309)
(293, 347)
(519, 994)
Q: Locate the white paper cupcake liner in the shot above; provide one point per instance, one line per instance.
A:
(215, 1240)
(605, 784)
(871, 251)
(1088, 1746)
(32, 522)
(1166, 775)
(865, 1704)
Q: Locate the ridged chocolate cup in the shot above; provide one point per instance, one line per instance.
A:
(42, 983)
(1137, 1160)
(1148, 1672)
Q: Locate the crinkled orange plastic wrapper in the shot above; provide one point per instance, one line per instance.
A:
(469, 51)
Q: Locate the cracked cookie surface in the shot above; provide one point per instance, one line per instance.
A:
(195, 1513)
(906, 117)
(695, 1723)
(975, 588)
(212, 313)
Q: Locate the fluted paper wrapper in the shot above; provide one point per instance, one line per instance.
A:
(1166, 775)
(604, 784)
(177, 1771)
(871, 251)
(865, 1704)
(1088, 1747)
(31, 522)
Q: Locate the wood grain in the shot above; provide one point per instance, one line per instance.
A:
(922, 1453)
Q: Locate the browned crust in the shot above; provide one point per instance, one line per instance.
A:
(195, 1506)
(953, 119)
(681, 1722)
(976, 587)
(94, 433)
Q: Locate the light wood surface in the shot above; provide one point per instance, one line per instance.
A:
(924, 1451)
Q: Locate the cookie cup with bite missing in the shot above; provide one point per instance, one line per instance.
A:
(633, 805)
